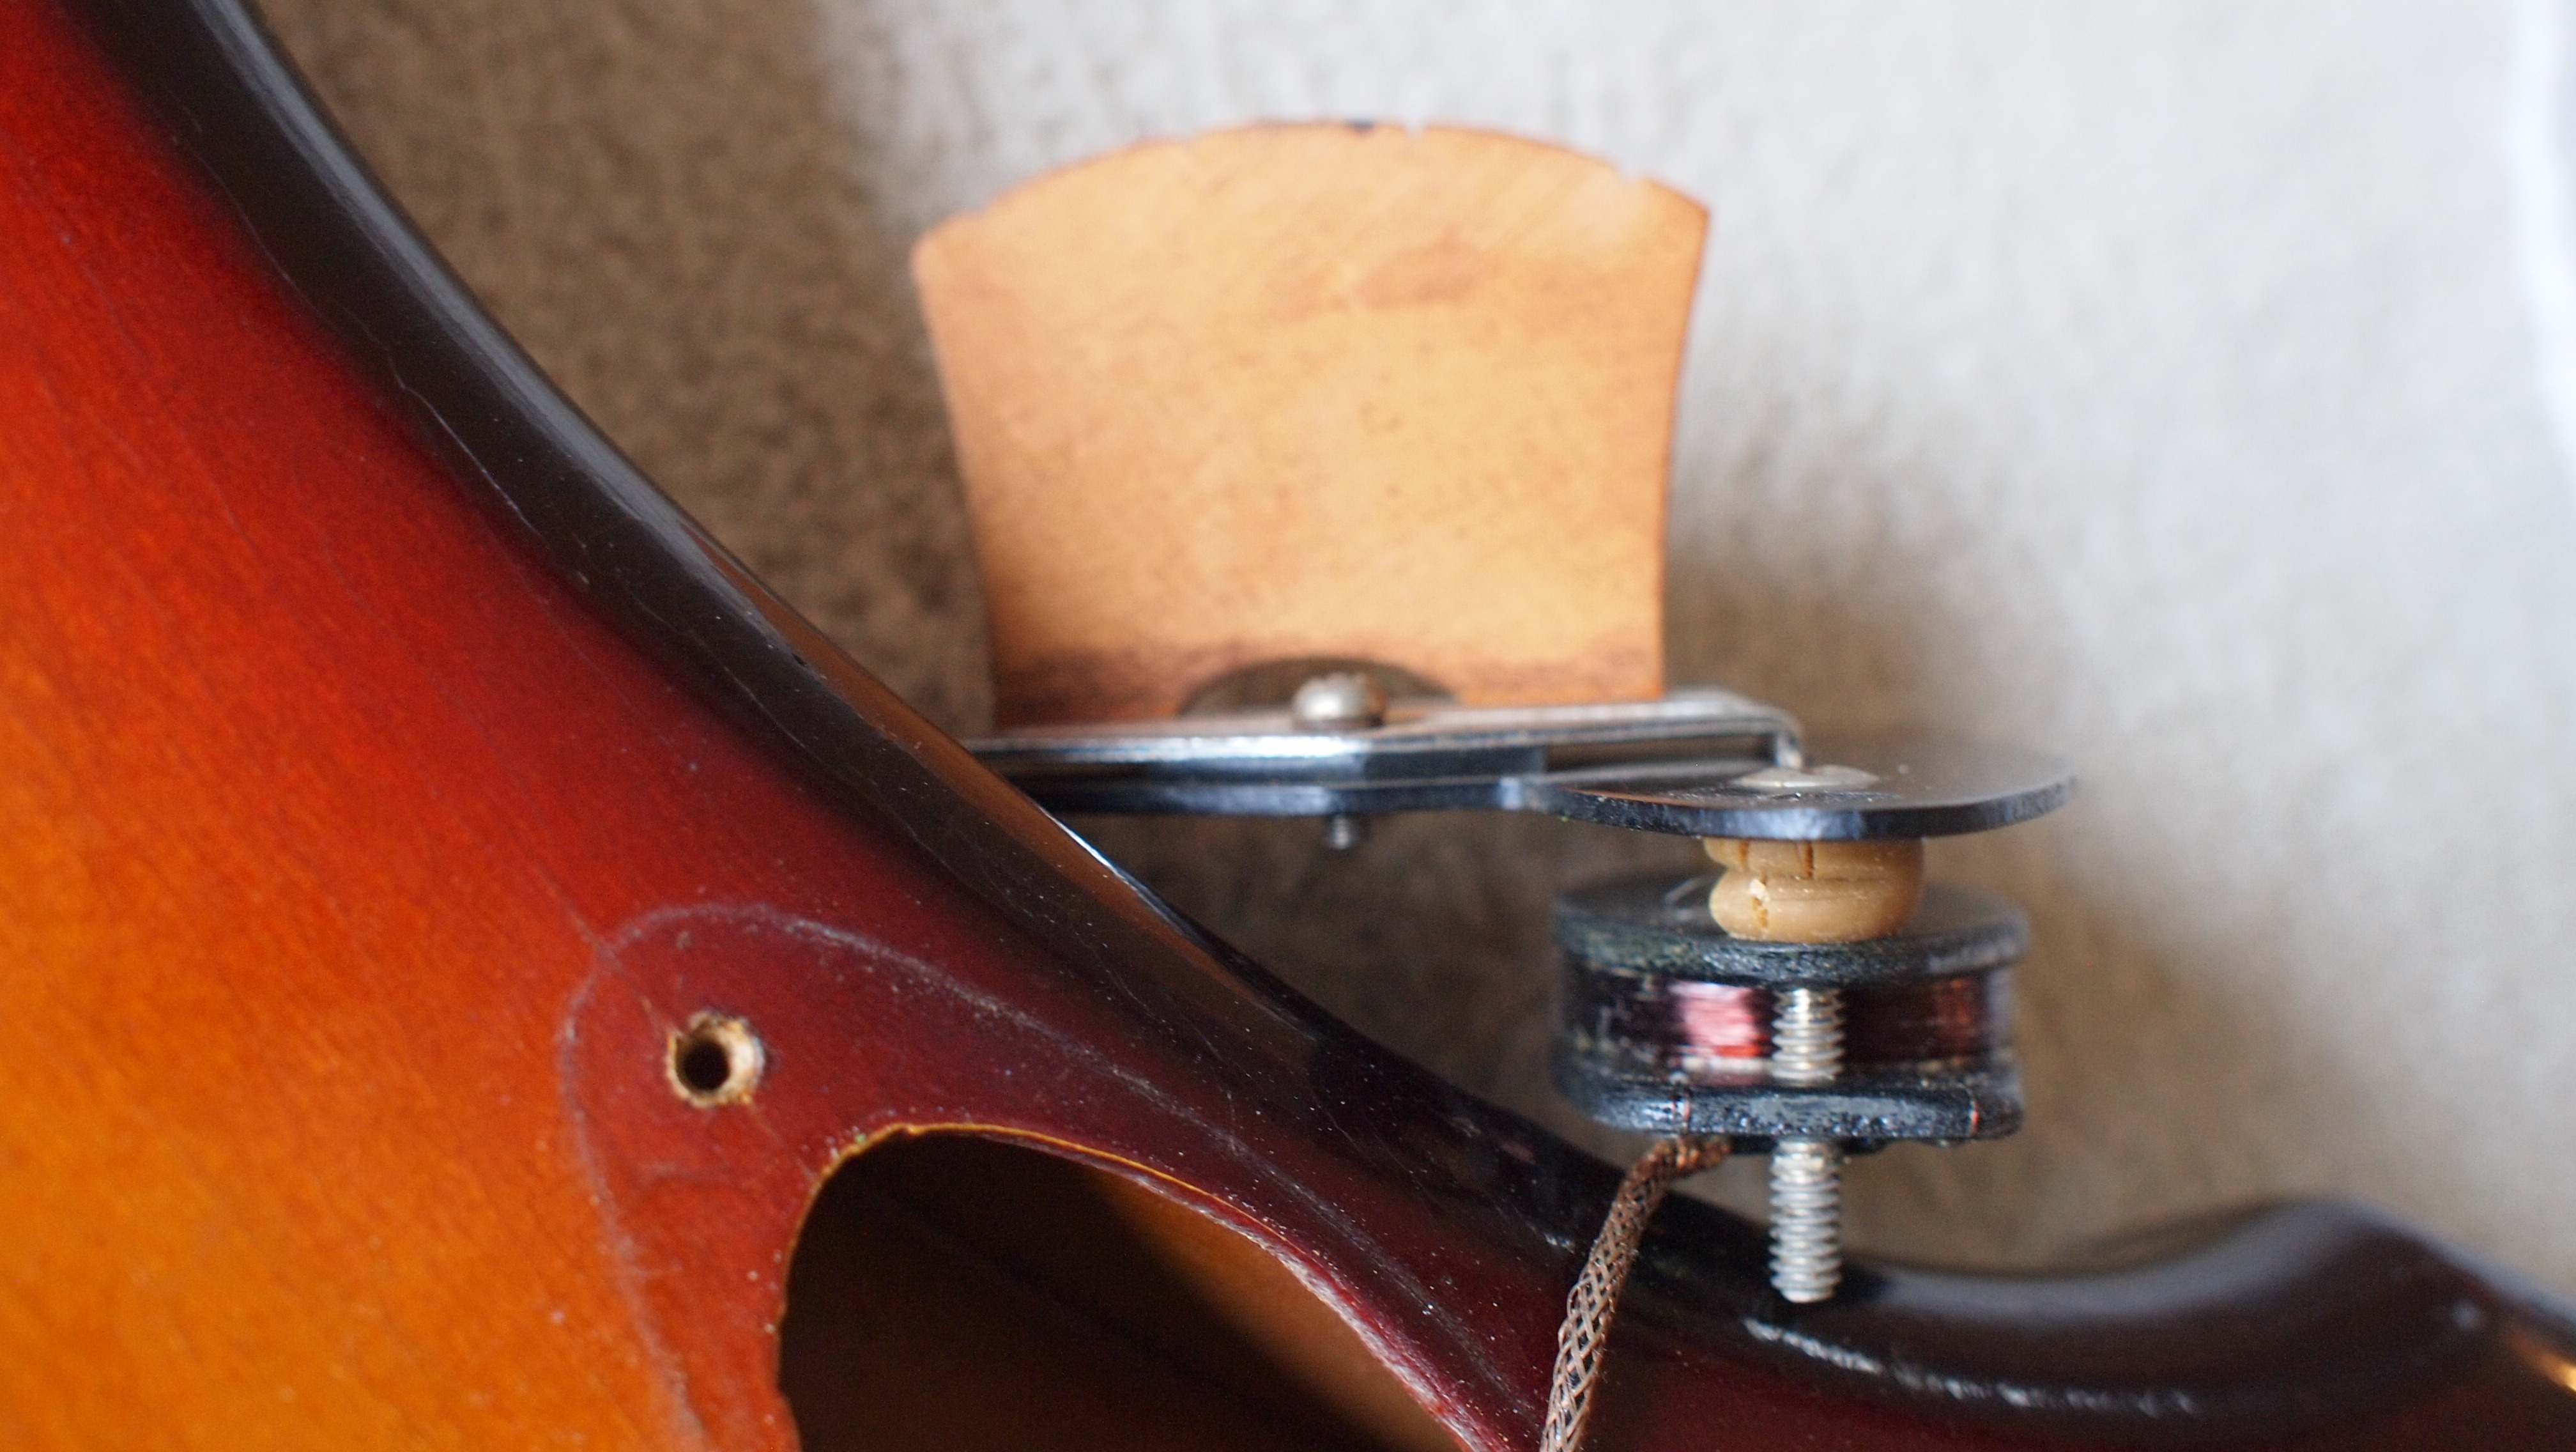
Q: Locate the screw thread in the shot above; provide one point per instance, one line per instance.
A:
(1807, 1035)
(1806, 1219)
(1806, 1174)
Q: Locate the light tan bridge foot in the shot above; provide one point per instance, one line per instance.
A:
(1814, 892)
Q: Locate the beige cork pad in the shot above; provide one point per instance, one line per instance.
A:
(1317, 391)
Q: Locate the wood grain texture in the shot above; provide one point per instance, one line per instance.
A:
(1318, 391)
(303, 845)
(361, 850)
(327, 812)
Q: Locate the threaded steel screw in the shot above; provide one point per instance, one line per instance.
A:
(1807, 1174)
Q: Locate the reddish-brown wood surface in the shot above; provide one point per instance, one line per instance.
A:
(354, 874)
(313, 798)
(323, 811)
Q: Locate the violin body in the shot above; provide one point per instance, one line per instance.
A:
(486, 973)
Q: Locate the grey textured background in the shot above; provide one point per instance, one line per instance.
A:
(2170, 383)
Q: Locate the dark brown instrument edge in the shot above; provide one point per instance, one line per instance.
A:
(2307, 1324)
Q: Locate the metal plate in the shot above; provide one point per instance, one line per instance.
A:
(1700, 763)
(1919, 787)
(1652, 924)
(1420, 739)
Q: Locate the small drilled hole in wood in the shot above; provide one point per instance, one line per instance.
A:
(715, 1059)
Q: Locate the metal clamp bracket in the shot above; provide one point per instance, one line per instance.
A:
(1703, 763)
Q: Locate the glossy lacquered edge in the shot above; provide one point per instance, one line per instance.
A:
(348, 250)
(2069, 1351)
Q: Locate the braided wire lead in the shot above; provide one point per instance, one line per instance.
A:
(1585, 1331)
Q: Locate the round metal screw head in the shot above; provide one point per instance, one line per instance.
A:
(1805, 779)
(1342, 701)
